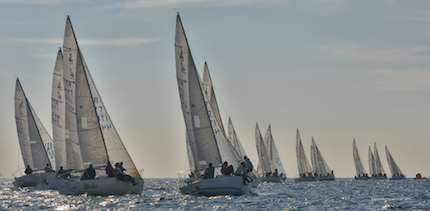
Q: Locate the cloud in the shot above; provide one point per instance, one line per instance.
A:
(31, 2)
(110, 42)
(402, 79)
(363, 53)
(139, 4)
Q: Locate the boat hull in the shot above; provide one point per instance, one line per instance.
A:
(361, 178)
(33, 180)
(378, 178)
(273, 179)
(326, 178)
(305, 179)
(102, 186)
(221, 185)
(397, 178)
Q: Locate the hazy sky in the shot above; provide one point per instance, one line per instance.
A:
(335, 69)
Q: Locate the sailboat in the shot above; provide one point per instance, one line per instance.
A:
(270, 162)
(305, 170)
(90, 136)
(378, 171)
(207, 143)
(36, 145)
(396, 173)
(319, 165)
(361, 173)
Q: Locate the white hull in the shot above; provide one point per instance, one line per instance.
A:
(305, 179)
(273, 179)
(326, 178)
(33, 180)
(56, 183)
(221, 185)
(102, 186)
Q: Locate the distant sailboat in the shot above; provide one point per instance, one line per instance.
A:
(361, 173)
(268, 152)
(91, 129)
(396, 173)
(305, 170)
(320, 167)
(207, 142)
(36, 145)
(377, 170)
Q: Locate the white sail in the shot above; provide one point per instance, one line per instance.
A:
(318, 163)
(302, 161)
(263, 156)
(210, 94)
(357, 161)
(394, 168)
(379, 169)
(234, 139)
(58, 110)
(372, 168)
(273, 151)
(36, 145)
(209, 144)
(96, 135)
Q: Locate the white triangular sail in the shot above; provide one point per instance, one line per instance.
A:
(357, 161)
(36, 145)
(208, 144)
(372, 168)
(379, 169)
(210, 94)
(273, 151)
(302, 161)
(263, 156)
(234, 139)
(394, 168)
(319, 165)
(98, 139)
(58, 110)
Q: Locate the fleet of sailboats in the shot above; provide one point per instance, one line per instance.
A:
(84, 134)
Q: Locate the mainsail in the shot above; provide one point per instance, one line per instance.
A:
(319, 165)
(89, 120)
(394, 168)
(265, 163)
(208, 143)
(379, 170)
(302, 161)
(357, 161)
(272, 151)
(36, 145)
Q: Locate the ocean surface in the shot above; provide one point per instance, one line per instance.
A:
(163, 194)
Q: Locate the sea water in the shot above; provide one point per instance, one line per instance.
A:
(164, 194)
